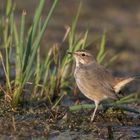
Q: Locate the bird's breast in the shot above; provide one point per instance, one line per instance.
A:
(82, 82)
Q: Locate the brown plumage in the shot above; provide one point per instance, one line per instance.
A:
(95, 81)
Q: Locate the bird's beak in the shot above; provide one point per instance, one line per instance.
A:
(71, 53)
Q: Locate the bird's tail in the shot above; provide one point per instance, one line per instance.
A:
(123, 82)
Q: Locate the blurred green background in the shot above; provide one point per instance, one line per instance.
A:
(120, 19)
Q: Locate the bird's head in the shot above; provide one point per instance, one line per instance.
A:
(83, 57)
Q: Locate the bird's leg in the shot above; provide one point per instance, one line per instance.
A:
(93, 115)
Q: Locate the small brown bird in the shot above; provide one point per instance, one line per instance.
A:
(95, 81)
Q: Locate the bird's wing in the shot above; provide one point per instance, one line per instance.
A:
(104, 80)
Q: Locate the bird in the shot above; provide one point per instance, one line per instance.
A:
(95, 81)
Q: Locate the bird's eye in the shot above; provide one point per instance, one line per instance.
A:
(83, 54)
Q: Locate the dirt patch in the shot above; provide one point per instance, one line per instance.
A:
(41, 122)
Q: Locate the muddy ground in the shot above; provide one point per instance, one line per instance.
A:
(121, 19)
(41, 122)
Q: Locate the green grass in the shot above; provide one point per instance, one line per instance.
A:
(27, 45)
(46, 79)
